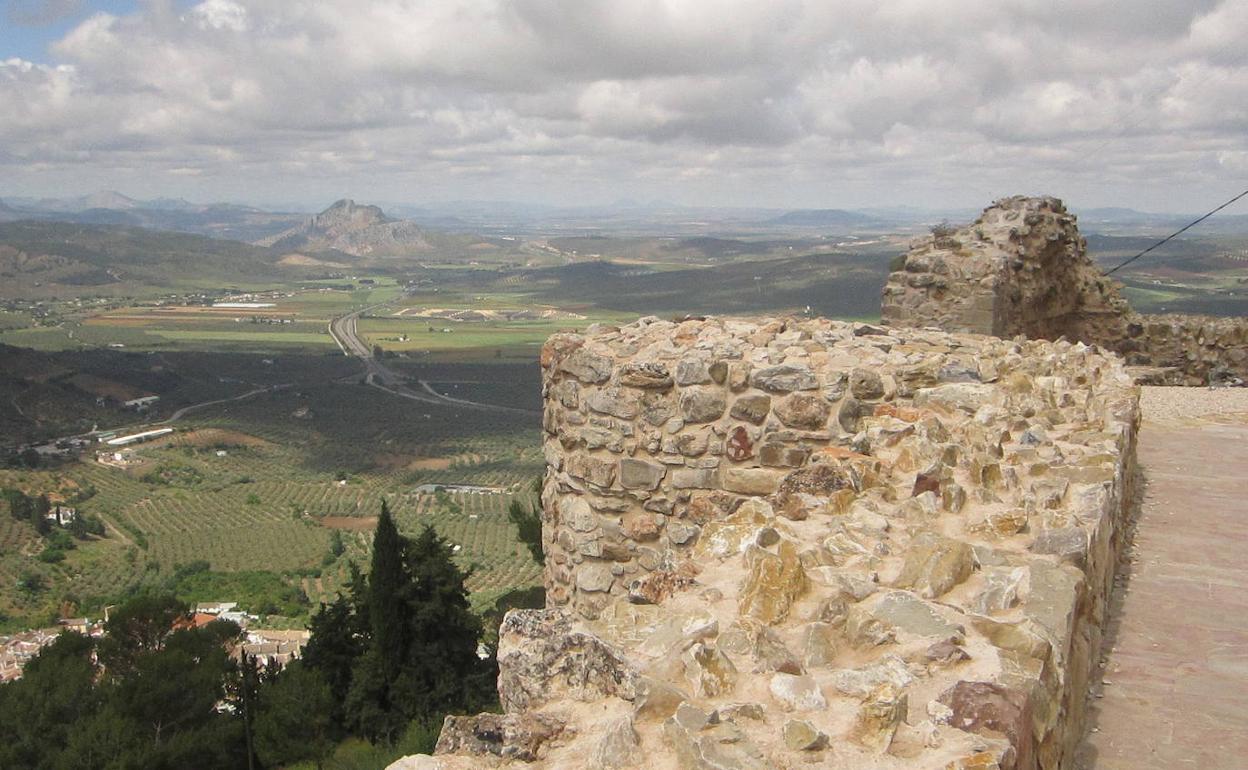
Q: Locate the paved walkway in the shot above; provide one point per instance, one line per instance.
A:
(1175, 693)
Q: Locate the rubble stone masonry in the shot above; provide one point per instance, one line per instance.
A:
(778, 543)
(1022, 269)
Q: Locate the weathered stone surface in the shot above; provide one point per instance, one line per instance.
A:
(640, 474)
(800, 735)
(617, 402)
(796, 693)
(751, 481)
(866, 384)
(773, 581)
(880, 716)
(1001, 589)
(803, 410)
(595, 576)
(733, 533)
(890, 615)
(657, 586)
(510, 736)
(750, 639)
(700, 404)
(647, 376)
(819, 480)
(775, 455)
(714, 747)
(862, 682)
(935, 564)
(694, 478)
(818, 644)
(540, 659)
(592, 469)
(577, 514)
(784, 378)
(692, 371)
(985, 707)
(656, 699)
(1067, 543)
(964, 396)
(587, 367)
(751, 407)
(709, 671)
(617, 748)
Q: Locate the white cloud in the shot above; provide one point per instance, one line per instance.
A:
(728, 101)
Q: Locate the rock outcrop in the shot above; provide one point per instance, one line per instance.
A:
(1022, 268)
(780, 543)
(363, 231)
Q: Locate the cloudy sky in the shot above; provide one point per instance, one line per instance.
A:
(786, 103)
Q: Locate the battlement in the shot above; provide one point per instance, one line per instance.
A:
(779, 541)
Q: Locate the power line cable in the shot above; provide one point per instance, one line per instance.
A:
(1178, 232)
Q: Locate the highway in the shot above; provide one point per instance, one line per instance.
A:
(345, 331)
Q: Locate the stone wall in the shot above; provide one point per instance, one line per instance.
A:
(1022, 268)
(778, 542)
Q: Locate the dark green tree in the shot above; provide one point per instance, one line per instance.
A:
(441, 670)
(39, 514)
(139, 626)
(156, 707)
(293, 723)
(39, 711)
(21, 507)
(386, 582)
(335, 644)
(421, 659)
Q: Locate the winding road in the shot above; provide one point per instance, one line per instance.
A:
(345, 331)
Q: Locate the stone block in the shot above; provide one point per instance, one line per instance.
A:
(752, 481)
(784, 378)
(702, 404)
(640, 474)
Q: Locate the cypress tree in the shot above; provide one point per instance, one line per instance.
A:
(386, 582)
(441, 670)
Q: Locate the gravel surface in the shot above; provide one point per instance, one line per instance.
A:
(1178, 405)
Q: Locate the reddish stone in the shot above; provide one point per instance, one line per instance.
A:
(925, 483)
(985, 707)
(739, 446)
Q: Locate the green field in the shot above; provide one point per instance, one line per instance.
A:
(283, 485)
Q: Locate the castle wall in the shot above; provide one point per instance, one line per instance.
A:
(1022, 268)
(774, 542)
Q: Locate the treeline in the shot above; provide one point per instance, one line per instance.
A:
(388, 659)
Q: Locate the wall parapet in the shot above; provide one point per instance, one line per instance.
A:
(779, 541)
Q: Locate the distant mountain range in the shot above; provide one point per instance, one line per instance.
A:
(822, 218)
(405, 230)
(217, 220)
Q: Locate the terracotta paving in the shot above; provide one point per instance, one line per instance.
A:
(1176, 680)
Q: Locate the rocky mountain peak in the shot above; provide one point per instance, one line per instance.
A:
(352, 228)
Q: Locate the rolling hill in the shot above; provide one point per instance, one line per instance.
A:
(40, 258)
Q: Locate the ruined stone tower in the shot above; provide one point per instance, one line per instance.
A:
(1022, 268)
